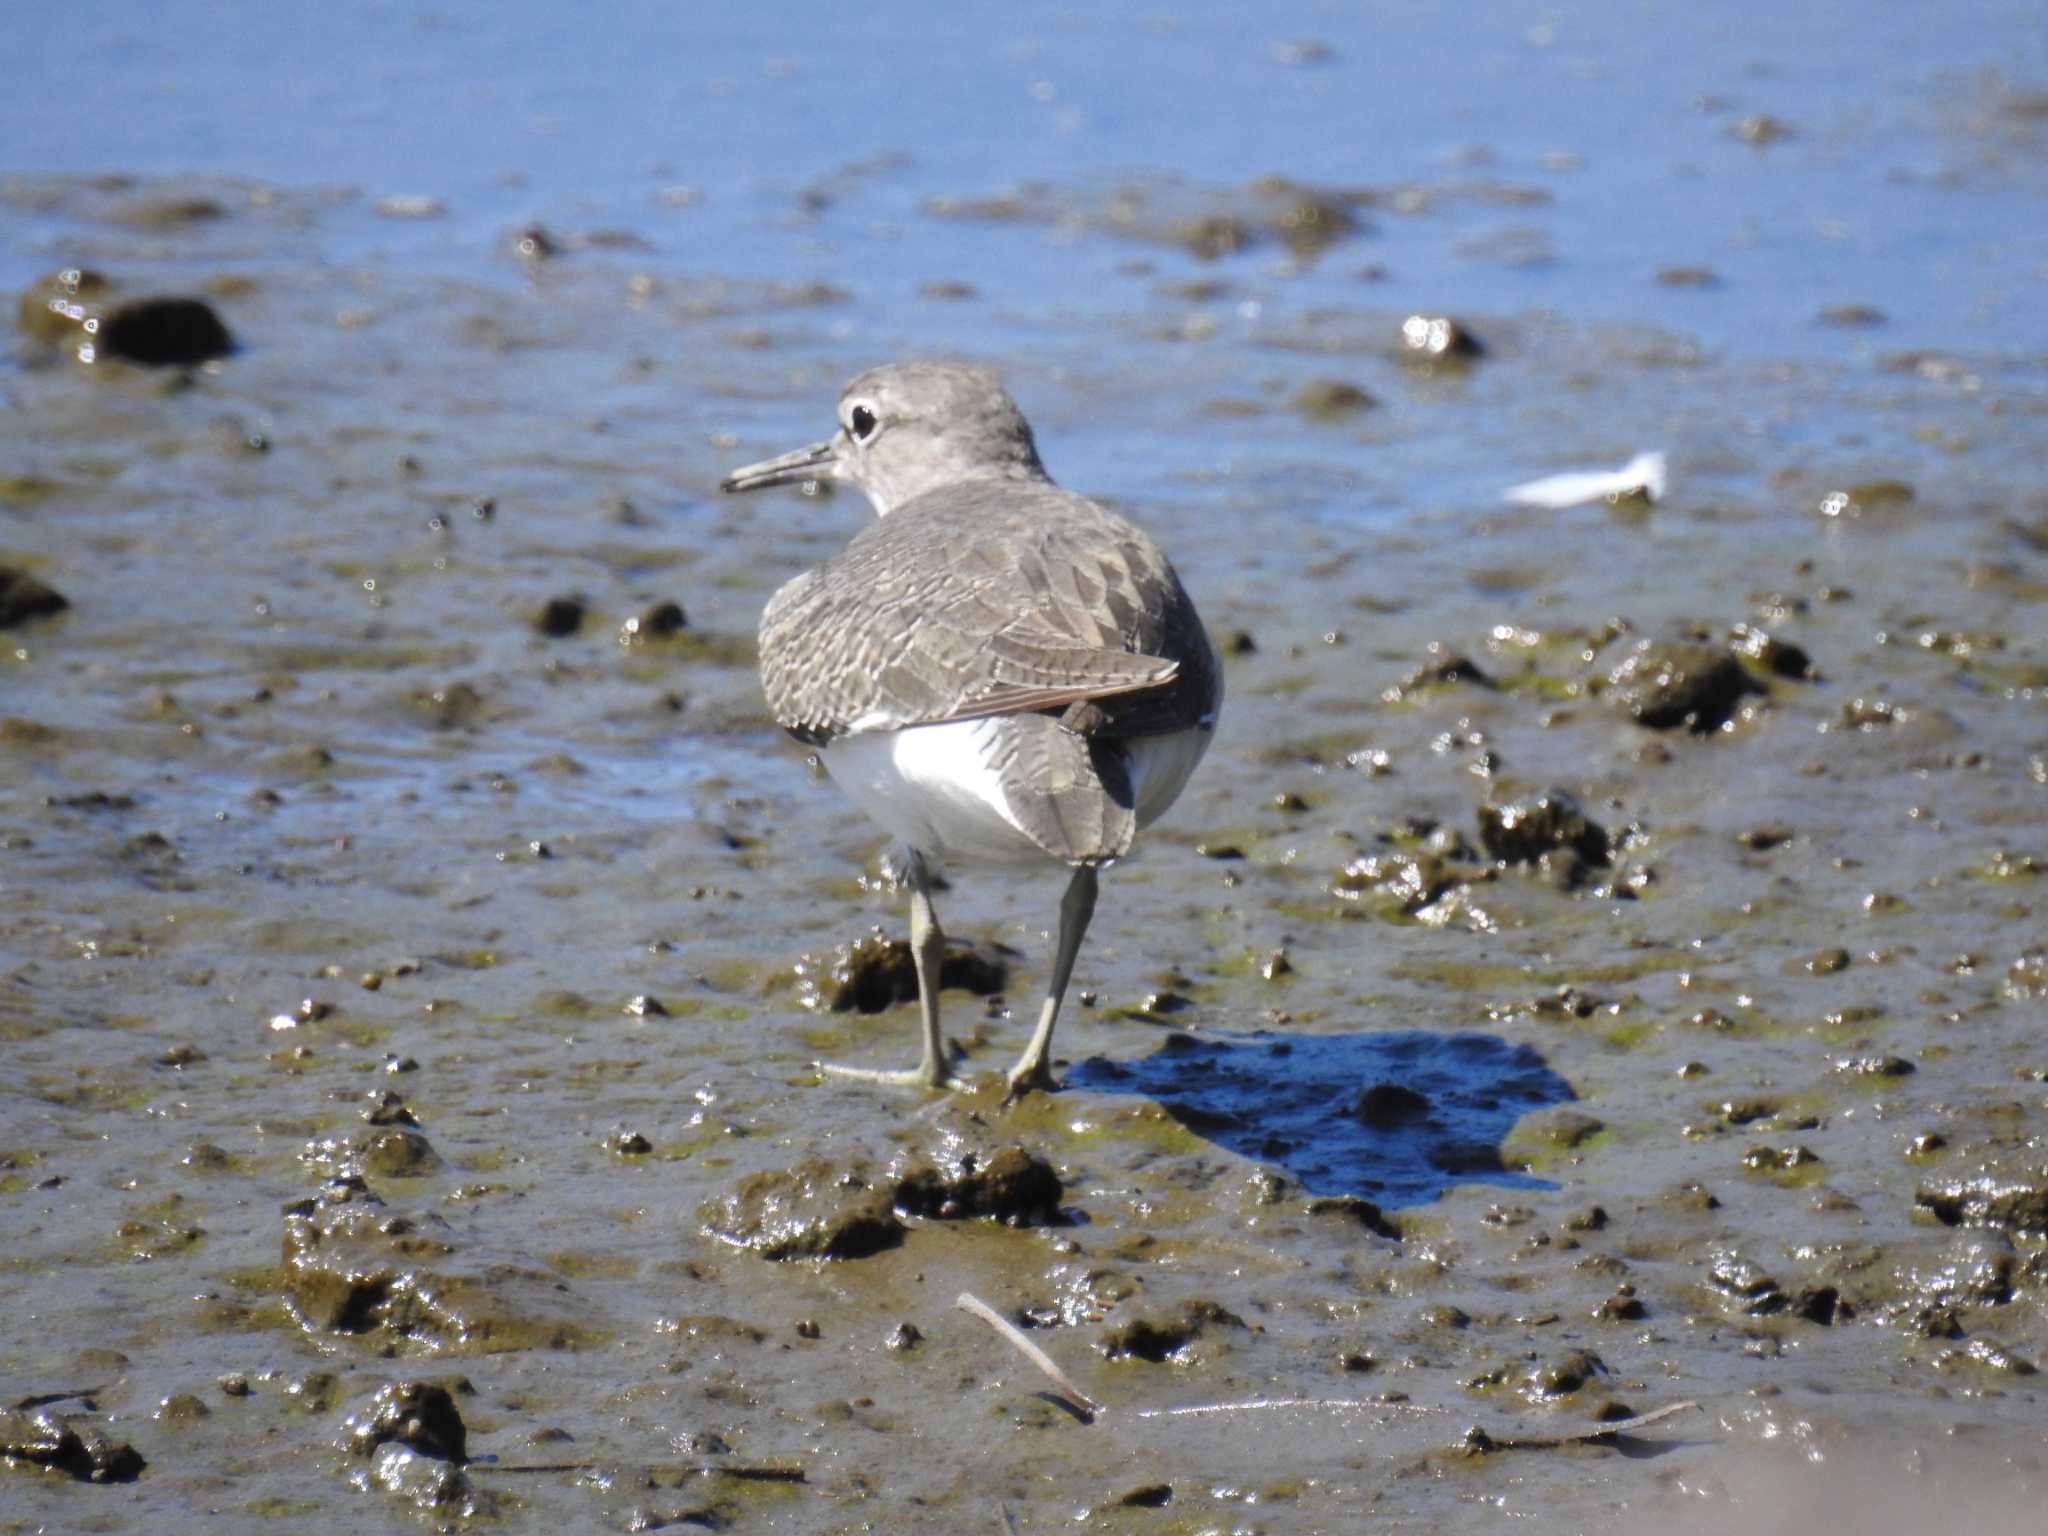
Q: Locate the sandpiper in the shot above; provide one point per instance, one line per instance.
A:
(996, 670)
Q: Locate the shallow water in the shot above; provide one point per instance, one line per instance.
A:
(1556, 158)
(298, 741)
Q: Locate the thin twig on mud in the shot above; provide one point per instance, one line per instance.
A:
(1354, 1403)
(967, 1301)
(1590, 1432)
(761, 1472)
(1477, 1438)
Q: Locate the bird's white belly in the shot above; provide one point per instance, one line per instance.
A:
(936, 787)
(1160, 769)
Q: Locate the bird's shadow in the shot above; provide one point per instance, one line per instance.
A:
(1397, 1117)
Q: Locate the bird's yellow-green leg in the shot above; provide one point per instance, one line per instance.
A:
(928, 955)
(1034, 1067)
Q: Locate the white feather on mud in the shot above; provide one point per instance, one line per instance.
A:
(1643, 475)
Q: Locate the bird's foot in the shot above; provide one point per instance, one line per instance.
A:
(1030, 1077)
(945, 1080)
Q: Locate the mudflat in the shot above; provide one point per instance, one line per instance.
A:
(1600, 965)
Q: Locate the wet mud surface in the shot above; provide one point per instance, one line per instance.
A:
(1602, 962)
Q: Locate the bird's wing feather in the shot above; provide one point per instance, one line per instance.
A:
(983, 600)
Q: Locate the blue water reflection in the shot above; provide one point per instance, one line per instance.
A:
(1398, 1116)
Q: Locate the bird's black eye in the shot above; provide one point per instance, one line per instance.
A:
(862, 422)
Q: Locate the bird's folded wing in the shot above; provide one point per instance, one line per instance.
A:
(865, 644)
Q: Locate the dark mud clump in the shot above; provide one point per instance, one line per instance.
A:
(41, 1438)
(1388, 1106)
(1762, 130)
(164, 333)
(378, 1150)
(1428, 883)
(75, 307)
(874, 973)
(1434, 340)
(961, 1175)
(1777, 656)
(1307, 220)
(1668, 683)
(560, 617)
(1163, 1337)
(1748, 1290)
(1440, 666)
(1563, 1374)
(816, 1210)
(1747, 1287)
(1012, 1185)
(22, 598)
(1356, 1208)
(354, 1266)
(414, 1439)
(452, 707)
(2015, 1200)
(809, 1211)
(417, 1414)
(1545, 829)
(658, 621)
(1330, 400)
(167, 210)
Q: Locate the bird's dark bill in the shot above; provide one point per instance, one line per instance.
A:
(812, 463)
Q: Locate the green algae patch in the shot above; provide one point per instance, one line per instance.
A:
(897, 1023)
(1545, 1137)
(584, 1265)
(29, 490)
(1655, 962)
(731, 975)
(468, 959)
(605, 1071)
(652, 659)
(1848, 1024)
(1327, 910)
(245, 1315)
(1549, 687)
(681, 1148)
(2007, 865)
(307, 657)
(1789, 1165)
(1628, 1036)
(360, 1033)
(1274, 965)
(1150, 1125)
(1288, 687)
(1474, 975)
(1321, 749)
(279, 1507)
(90, 1095)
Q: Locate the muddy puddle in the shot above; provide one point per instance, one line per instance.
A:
(1601, 965)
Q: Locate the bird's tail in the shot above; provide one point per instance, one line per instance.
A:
(1071, 794)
